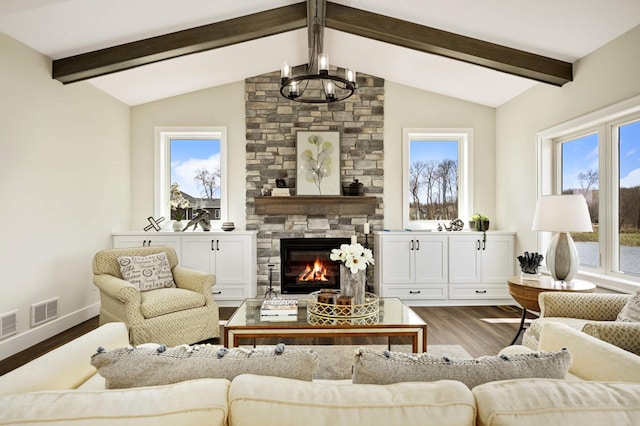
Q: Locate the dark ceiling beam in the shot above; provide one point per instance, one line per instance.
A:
(443, 43)
(169, 46)
(293, 17)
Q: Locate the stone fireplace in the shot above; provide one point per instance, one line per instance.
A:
(271, 126)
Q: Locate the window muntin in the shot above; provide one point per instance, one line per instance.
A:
(436, 188)
(195, 158)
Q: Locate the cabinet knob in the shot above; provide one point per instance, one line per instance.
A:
(414, 292)
(417, 244)
(216, 292)
(481, 291)
(412, 245)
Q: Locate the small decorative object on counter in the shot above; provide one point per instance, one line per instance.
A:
(479, 222)
(154, 223)
(227, 226)
(202, 218)
(530, 265)
(179, 204)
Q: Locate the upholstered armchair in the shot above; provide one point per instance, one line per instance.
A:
(592, 313)
(183, 314)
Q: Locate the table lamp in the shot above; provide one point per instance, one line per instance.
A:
(562, 214)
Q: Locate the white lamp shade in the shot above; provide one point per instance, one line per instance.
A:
(562, 213)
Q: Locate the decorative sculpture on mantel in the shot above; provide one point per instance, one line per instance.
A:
(154, 223)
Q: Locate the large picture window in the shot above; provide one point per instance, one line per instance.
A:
(194, 159)
(598, 156)
(436, 188)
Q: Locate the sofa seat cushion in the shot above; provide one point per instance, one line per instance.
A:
(143, 366)
(557, 402)
(164, 301)
(274, 401)
(384, 367)
(198, 402)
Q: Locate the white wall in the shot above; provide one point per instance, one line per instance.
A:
(221, 106)
(64, 186)
(608, 75)
(409, 107)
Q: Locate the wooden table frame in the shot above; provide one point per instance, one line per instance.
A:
(417, 332)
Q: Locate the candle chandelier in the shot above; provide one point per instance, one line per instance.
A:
(317, 86)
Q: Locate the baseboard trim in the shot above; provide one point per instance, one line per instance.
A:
(32, 337)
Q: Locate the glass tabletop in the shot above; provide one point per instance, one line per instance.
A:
(392, 311)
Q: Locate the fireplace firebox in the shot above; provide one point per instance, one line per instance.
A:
(305, 265)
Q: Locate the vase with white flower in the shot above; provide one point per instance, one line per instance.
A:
(354, 260)
(179, 204)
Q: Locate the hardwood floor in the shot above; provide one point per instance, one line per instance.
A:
(481, 330)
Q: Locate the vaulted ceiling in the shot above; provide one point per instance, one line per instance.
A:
(559, 31)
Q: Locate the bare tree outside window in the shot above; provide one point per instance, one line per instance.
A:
(208, 182)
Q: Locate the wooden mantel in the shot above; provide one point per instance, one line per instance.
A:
(316, 205)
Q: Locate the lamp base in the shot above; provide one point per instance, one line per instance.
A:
(562, 257)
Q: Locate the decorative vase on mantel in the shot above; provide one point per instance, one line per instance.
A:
(177, 226)
(353, 285)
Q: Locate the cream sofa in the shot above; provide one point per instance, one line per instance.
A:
(61, 387)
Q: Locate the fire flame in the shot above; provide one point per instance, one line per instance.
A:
(317, 273)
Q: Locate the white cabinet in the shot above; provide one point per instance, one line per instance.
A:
(432, 268)
(412, 266)
(231, 256)
(227, 256)
(147, 240)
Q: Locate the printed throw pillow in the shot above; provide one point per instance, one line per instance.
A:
(145, 366)
(376, 367)
(147, 272)
(631, 310)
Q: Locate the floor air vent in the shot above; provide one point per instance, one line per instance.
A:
(8, 324)
(43, 312)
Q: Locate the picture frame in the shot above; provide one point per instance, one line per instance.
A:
(318, 163)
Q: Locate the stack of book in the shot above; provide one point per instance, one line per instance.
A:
(280, 192)
(279, 310)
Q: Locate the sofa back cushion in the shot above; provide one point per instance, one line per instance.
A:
(144, 366)
(198, 402)
(384, 367)
(265, 401)
(536, 402)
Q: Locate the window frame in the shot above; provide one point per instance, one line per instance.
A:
(464, 137)
(162, 169)
(549, 167)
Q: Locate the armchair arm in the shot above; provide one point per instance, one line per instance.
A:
(198, 281)
(591, 306)
(117, 288)
(625, 335)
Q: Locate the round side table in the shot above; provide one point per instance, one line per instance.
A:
(526, 292)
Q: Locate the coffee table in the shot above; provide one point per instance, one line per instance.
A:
(394, 319)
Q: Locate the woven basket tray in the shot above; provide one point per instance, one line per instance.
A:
(370, 308)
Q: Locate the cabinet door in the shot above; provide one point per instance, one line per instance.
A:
(398, 259)
(431, 259)
(198, 252)
(465, 258)
(233, 259)
(497, 259)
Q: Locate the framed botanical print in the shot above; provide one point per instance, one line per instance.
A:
(318, 163)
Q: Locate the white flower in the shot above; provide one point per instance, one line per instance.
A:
(354, 256)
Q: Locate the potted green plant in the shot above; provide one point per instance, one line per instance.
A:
(479, 222)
